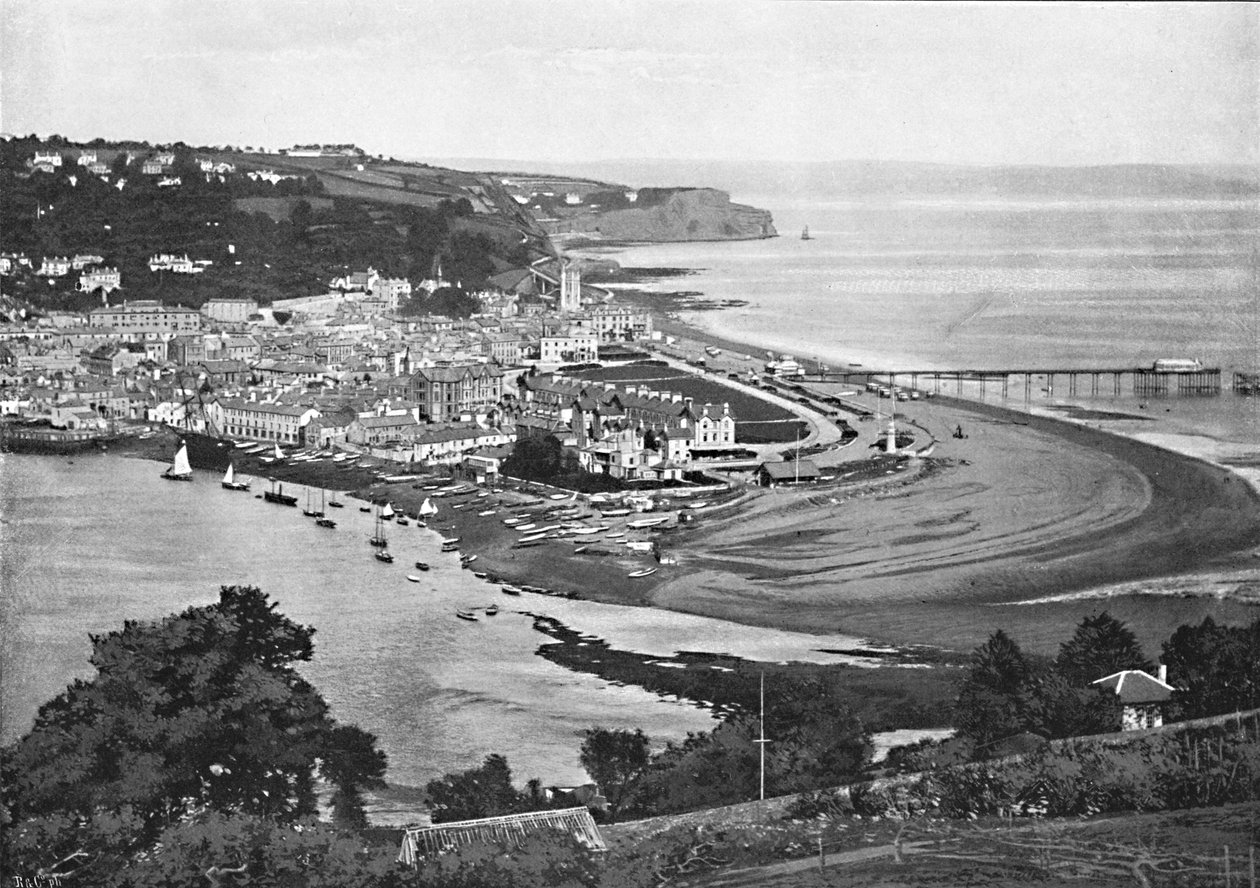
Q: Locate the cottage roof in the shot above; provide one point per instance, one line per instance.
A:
(388, 422)
(263, 407)
(790, 470)
(1133, 686)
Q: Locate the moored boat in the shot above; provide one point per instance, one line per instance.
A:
(325, 522)
(646, 572)
(413, 578)
(491, 610)
(466, 615)
(383, 555)
(278, 496)
(422, 565)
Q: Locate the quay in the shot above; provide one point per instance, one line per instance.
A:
(1139, 381)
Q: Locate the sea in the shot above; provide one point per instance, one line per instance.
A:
(977, 282)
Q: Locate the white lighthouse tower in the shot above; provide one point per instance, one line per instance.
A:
(570, 287)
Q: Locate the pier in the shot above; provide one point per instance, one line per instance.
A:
(1137, 381)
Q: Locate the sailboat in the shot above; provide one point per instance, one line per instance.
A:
(230, 482)
(388, 512)
(428, 510)
(805, 234)
(378, 538)
(321, 521)
(180, 469)
(279, 454)
(308, 511)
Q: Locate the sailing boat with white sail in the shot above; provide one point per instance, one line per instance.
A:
(230, 482)
(180, 469)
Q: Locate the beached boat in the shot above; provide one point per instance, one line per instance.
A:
(646, 572)
(481, 575)
(509, 589)
(805, 234)
(422, 565)
(229, 481)
(333, 504)
(533, 537)
(325, 522)
(486, 513)
(644, 523)
(413, 578)
(491, 610)
(466, 615)
(403, 520)
(615, 513)
(467, 559)
(383, 555)
(180, 469)
(365, 508)
(559, 496)
(580, 549)
(278, 496)
(242, 445)
(450, 541)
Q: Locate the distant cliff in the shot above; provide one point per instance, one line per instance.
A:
(664, 215)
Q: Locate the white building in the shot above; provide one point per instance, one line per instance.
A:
(107, 279)
(54, 266)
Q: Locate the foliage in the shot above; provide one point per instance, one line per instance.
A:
(991, 704)
(235, 849)
(200, 711)
(615, 760)
(1101, 646)
(815, 741)
(448, 302)
(1215, 668)
(484, 791)
(542, 860)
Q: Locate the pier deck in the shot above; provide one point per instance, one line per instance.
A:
(1139, 381)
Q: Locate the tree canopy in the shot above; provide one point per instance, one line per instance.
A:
(200, 711)
(1101, 646)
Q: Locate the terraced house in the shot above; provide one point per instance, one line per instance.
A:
(285, 423)
(445, 393)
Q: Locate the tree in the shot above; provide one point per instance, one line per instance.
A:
(485, 791)
(202, 710)
(1215, 668)
(991, 703)
(1101, 646)
(616, 760)
(1055, 708)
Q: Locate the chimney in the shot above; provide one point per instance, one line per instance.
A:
(675, 397)
(1163, 672)
(688, 402)
(610, 387)
(632, 390)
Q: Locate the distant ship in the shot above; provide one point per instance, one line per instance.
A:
(805, 234)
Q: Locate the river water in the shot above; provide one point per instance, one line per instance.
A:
(98, 539)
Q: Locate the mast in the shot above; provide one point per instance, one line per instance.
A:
(762, 740)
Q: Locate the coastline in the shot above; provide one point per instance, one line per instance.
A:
(1150, 517)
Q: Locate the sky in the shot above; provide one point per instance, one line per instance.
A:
(992, 83)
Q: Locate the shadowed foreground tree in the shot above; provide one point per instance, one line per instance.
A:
(992, 702)
(201, 711)
(1215, 668)
(1101, 646)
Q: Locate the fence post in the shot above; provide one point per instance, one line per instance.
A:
(822, 857)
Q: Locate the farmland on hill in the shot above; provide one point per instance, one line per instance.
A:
(263, 239)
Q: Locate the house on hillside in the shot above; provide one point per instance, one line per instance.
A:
(1143, 697)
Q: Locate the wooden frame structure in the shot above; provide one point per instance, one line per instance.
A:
(429, 841)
